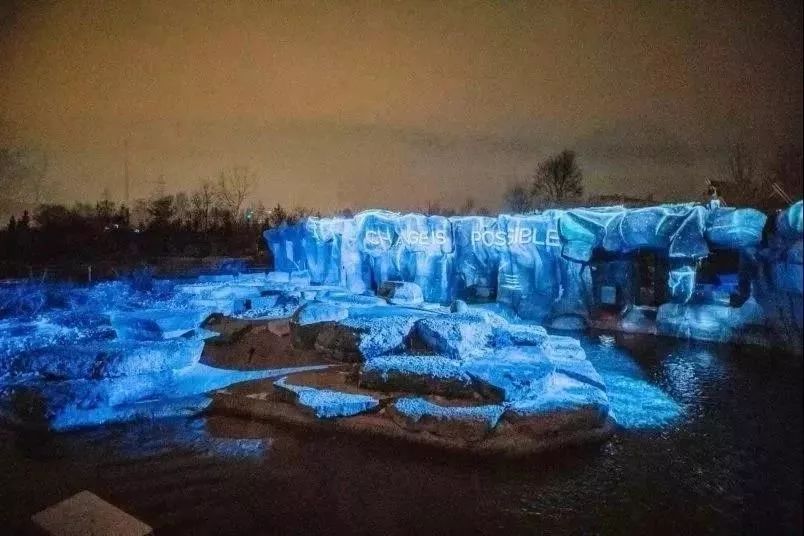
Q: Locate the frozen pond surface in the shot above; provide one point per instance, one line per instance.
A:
(712, 444)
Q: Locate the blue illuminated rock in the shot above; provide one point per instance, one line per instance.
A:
(419, 374)
(359, 338)
(466, 423)
(57, 328)
(520, 335)
(156, 324)
(457, 335)
(106, 359)
(314, 312)
(567, 405)
(349, 299)
(401, 293)
(712, 322)
(511, 373)
(735, 228)
(326, 403)
(535, 263)
(476, 261)
(68, 404)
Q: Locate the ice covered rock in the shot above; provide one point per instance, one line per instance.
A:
(511, 373)
(520, 335)
(277, 277)
(62, 405)
(401, 293)
(326, 403)
(456, 335)
(712, 322)
(363, 337)
(262, 302)
(463, 422)
(790, 222)
(252, 278)
(305, 322)
(234, 292)
(459, 306)
(104, 359)
(216, 278)
(579, 368)
(567, 405)
(210, 306)
(735, 228)
(421, 374)
(350, 299)
(476, 261)
(65, 404)
(156, 324)
(313, 312)
(300, 278)
(562, 346)
(537, 264)
(51, 330)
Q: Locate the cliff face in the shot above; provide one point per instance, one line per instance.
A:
(543, 265)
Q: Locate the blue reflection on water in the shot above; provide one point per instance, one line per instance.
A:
(635, 402)
(155, 438)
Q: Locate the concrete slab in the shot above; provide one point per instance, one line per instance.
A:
(86, 514)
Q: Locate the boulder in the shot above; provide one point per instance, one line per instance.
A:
(348, 299)
(234, 292)
(277, 277)
(401, 293)
(459, 306)
(326, 403)
(156, 324)
(63, 405)
(565, 406)
(216, 278)
(510, 374)
(225, 307)
(314, 312)
(103, 359)
(308, 320)
(359, 338)
(520, 335)
(456, 336)
(263, 302)
(463, 422)
(421, 374)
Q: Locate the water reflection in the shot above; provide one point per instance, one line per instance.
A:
(636, 403)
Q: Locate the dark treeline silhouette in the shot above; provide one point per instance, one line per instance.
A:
(65, 240)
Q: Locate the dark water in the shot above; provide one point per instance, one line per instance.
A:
(712, 444)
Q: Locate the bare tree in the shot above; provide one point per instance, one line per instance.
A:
(786, 170)
(517, 199)
(558, 178)
(233, 187)
(740, 169)
(181, 206)
(202, 202)
(277, 216)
